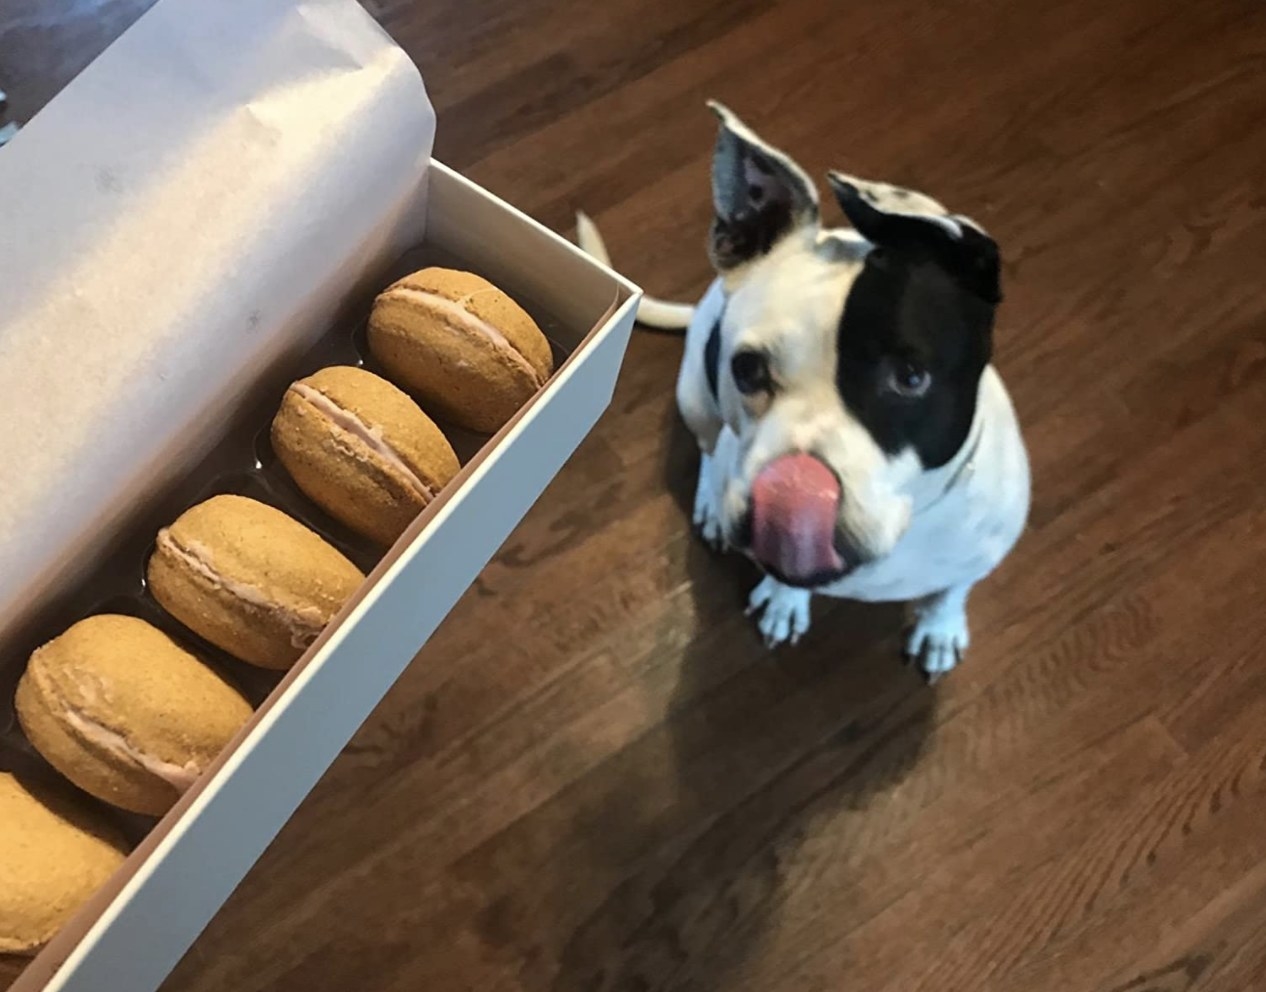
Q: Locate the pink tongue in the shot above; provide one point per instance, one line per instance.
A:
(795, 506)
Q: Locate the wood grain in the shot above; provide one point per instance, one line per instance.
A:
(594, 779)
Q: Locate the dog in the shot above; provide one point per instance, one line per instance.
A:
(855, 439)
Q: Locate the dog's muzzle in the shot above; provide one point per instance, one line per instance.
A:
(792, 527)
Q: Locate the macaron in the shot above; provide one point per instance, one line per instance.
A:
(249, 579)
(55, 853)
(471, 354)
(361, 450)
(125, 712)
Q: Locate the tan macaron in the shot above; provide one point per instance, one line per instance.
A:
(249, 579)
(471, 354)
(55, 853)
(125, 712)
(361, 450)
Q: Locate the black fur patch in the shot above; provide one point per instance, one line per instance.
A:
(971, 257)
(907, 305)
(748, 235)
(712, 359)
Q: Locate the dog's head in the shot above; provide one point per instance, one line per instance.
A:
(846, 362)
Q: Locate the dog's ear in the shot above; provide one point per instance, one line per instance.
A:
(903, 219)
(759, 194)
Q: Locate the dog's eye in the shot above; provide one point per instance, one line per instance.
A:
(908, 379)
(751, 372)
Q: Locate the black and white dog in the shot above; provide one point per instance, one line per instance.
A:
(856, 441)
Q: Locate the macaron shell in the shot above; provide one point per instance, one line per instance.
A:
(119, 677)
(413, 435)
(98, 772)
(342, 475)
(215, 616)
(54, 855)
(462, 375)
(489, 303)
(269, 570)
(375, 493)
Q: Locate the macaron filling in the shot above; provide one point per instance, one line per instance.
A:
(371, 437)
(463, 318)
(97, 734)
(304, 623)
(179, 777)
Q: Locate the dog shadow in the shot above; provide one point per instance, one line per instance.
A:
(760, 752)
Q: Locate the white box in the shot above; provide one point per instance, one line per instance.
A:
(194, 70)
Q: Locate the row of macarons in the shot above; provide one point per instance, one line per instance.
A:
(132, 716)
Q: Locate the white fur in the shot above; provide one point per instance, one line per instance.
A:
(938, 634)
(707, 518)
(964, 517)
(935, 533)
(931, 531)
(789, 305)
(783, 612)
(928, 535)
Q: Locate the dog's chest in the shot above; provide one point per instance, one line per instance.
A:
(956, 544)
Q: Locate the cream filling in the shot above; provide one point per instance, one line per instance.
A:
(371, 437)
(465, 318)
(304, 622)
(179, 777)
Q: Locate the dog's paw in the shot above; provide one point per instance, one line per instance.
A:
(937, 641)
(784, 612)
(707, 519)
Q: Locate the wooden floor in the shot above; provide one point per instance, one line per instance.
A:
(594, 779)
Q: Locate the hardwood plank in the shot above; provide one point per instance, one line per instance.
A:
(44, 44)
(595, 778)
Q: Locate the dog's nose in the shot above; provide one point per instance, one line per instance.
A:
(794, 524)
(852, 551)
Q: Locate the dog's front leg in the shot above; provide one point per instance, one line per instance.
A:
(783, 609)
(707, 514)
(938, 631)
